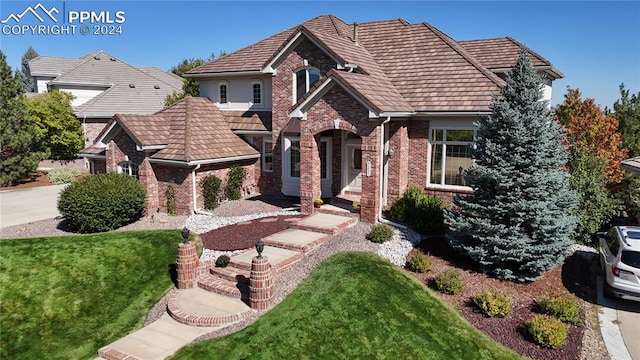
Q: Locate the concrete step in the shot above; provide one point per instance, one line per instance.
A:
(197, 307)
(297, 240)
(156, 341)
(218, 285)
(231, 273)
(324, 223)
(280, 259)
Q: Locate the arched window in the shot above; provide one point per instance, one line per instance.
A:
(129, 168)
(257, 92)
(304, 80)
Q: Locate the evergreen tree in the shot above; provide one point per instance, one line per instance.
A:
(518, 222)
(17, 161)
(25, 74)
(627, 111)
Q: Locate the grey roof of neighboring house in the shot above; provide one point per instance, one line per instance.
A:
(632, 164)
(130, 89)
(53, 66)
(400, 66)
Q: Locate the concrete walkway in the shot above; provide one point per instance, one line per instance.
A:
(23, 206)
(620, 326)
(219, 301)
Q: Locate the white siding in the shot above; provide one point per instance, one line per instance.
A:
(546, 91)
(40, 83)
(239, 92)
(82, 94)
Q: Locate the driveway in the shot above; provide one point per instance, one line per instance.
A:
(620, 326)
(27, 205)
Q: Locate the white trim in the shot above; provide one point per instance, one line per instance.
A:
(224, 83)
(291, 185)
(291, 44)
(446, 125)
(92, 156)
(261, 84)
(224, 74)
(149, 147)
(307, 70)
(252, 132)
(263, 155)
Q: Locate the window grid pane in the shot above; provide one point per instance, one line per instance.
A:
(458, 159)
(436, 164)
(257, 94)
(301, 83)
(223, 94)
(323, 159)
(268, 156)
(294, 157)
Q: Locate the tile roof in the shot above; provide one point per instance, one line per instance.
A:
(401, 66)
(137, 90)
(248, 120)
(53, 66)
(198, 131)
(145, 130)
(500, 52)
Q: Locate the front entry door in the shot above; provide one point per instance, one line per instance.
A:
(354, 168)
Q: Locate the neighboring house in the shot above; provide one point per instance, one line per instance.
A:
(103, 86)
(329, 108)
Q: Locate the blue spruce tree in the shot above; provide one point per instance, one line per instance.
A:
(518, 223)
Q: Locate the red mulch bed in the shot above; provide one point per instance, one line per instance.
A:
(37, 179)
(573, 278)
(244, 235)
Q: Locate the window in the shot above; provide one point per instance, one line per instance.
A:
(129, 168)
(294, 159)
(223, 94)
(304, 80)
(257, 93)
(450, 155)
(267, 156)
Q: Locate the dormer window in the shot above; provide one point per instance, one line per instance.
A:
(223, 93)
(304, 80)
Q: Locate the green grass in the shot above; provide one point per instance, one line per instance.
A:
(355, 306)
(65, 297)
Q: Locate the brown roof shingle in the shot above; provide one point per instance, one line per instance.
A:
(500, 52)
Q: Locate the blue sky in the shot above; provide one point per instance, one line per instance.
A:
(595, 44)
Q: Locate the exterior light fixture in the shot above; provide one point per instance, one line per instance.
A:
(259, 248)
(185, 235)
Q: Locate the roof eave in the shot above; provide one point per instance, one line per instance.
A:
(226, 74)
(182, 163)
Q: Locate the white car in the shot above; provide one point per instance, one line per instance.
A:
(620, 261)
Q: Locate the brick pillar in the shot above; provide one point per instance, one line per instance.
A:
(187, 265)
(309, 172)
(261, 286)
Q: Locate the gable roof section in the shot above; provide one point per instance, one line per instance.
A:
(53, 66)
(239, 120)
(502, 53)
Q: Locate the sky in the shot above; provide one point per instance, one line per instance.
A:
(596, 44)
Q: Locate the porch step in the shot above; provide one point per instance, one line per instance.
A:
(225, 287)
(231, 273)
(197, 307)
(297, 240)
(280, 259)
(324, 223)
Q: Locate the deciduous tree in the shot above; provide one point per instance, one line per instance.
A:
(58, 133)
(518, 222)
(17, 160)
(591, 132)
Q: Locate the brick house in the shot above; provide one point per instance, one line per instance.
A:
(332, 108)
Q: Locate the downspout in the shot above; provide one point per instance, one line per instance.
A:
(381, 167)
(193, 187)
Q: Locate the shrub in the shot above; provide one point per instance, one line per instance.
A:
(493, 303)
(548, 331)
(62, 176)
(234, 182)
(380, 233)
(211, 191)
(102, 202)
(223, 261)
(422, 212)
(450, 281)
(419, 262)
(562, 308)
(171, 200)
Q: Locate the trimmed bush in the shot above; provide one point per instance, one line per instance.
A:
(450, 281)
(424, 213)
(171, 200)
(419, 262)
(62, 176)
(380, 233)
(562, 308)
(548, 331)
(493, 303)
(235, 178)
(102, 202)
(211, 186)
(223, 261)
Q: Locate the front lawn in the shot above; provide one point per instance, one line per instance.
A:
(355, 306)
(65, 297)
